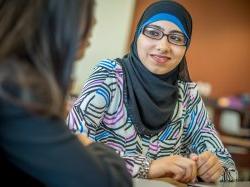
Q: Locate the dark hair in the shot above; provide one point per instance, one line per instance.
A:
(39, 40)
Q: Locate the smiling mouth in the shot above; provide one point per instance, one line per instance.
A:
(160, 59)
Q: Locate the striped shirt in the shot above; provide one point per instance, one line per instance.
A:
(101, 114)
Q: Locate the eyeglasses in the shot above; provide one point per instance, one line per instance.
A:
(173, 38)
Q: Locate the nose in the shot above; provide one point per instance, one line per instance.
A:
(163, 44)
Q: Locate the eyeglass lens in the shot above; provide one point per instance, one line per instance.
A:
(174, 38)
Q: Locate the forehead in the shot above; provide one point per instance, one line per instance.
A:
(166, 26)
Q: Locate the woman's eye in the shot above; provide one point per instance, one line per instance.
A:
(176, 38)
(154, 33)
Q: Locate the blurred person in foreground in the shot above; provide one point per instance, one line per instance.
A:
(39, 41)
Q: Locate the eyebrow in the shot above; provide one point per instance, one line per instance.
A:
(157, 26)
(162, 29)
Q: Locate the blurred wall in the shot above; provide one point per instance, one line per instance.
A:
(109, 37)
(220, 47)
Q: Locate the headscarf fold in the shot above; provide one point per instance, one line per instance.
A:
(151, 98)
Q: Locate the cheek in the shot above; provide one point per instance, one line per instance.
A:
(81, 50)
(179, 53)
(143, 48)
(140, 50)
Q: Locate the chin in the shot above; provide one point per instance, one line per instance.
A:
(155, 71)
(159, 73)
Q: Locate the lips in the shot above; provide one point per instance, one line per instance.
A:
(160, 59)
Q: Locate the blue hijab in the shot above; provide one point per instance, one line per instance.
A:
(151, 99)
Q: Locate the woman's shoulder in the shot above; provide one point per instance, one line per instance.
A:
(188, 89)
(109, 65)
(108, 71)
(187, 85)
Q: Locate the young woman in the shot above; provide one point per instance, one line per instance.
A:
(39, 41)
(147, 108)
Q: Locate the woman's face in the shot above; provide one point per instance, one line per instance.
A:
(160, 56)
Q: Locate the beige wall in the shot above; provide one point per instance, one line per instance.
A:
(109, 38)
(220, 47)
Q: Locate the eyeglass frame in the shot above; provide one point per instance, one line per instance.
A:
(167, 35)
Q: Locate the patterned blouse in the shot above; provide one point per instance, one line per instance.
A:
(101, 114)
